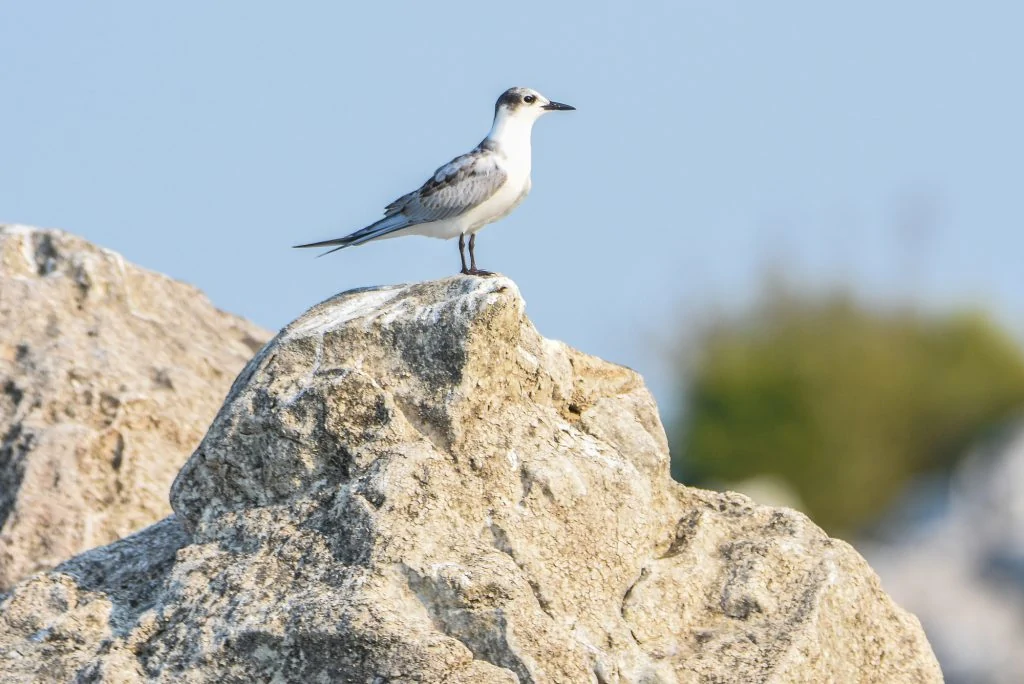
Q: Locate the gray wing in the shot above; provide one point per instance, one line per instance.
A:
(454, 189)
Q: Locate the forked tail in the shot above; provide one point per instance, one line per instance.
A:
(388, 224)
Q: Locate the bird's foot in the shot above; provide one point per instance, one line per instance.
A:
(477, 272)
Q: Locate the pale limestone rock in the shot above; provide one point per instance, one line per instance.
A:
(109, 374)
(409, 484)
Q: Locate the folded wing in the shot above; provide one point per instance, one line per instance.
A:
(455, 188)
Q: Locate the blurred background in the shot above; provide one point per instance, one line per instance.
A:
(801, 221)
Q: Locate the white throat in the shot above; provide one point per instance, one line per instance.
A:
(511, 132)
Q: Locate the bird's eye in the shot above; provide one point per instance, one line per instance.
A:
(530, 99)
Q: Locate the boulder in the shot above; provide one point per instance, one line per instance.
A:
(410, 484)
(109, 376)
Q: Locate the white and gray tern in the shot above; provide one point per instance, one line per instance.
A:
(470, 191)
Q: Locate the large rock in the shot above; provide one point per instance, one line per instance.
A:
(109, 374)
(409, 484)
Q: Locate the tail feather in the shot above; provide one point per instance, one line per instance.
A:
(386, 225)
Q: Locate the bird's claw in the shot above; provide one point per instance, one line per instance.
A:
(477, 272)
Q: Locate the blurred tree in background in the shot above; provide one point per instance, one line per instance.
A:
(843, 402)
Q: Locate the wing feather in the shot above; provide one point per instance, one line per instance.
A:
(454, 189)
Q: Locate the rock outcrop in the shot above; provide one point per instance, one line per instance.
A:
(409, 484)
(109, 375)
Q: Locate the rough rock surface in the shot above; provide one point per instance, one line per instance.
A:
(109, 375)
(409, 484)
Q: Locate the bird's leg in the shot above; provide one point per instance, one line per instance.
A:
(473, 270)
(462, 254)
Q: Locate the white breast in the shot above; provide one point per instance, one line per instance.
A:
(517, 165)
(513, 140)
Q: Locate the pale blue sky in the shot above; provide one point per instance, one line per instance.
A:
(201, 139)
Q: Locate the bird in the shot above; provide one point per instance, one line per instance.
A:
(472, 190)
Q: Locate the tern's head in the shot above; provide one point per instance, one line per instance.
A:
(526, 103)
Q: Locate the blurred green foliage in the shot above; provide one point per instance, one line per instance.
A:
(844, 402)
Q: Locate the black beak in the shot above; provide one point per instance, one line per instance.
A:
(558, 107)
